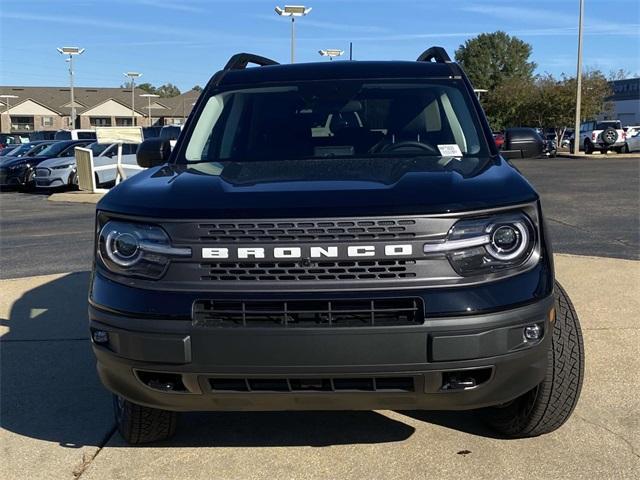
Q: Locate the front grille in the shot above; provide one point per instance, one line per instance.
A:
(292, 271)
(357, 384)
(43, 172)
(309, 230)
(308, 313)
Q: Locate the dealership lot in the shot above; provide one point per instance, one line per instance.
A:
(591, 205)
(56, 418)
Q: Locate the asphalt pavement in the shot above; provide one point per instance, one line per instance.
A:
(591, 206)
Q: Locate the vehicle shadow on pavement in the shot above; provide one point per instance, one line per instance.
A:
(285, 429)
(462, 421)
(50, 390)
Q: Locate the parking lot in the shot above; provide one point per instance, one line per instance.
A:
(57, 420)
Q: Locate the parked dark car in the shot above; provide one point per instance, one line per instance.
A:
(399, 262)
(27, 149)
(7, 149)
(20, 171)
(42, 135)
(12, 139)
(151, 132)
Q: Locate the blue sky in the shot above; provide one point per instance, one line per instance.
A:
(186, 41)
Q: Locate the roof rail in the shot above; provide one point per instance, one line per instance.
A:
(438, 54)
(240, 61)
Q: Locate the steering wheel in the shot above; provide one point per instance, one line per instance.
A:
(410, 145)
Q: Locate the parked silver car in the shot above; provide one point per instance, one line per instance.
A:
(60, 172)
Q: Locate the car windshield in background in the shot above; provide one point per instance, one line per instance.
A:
(53, 149)
(35, 150)
(21, 150)
(98, 148)
(351, 119)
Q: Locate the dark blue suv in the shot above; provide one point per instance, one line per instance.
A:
(340, 235)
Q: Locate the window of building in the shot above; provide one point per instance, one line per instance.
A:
(47, 121)
(124, 122)
(22, 123)
(100, 121)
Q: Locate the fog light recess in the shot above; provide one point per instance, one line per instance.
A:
(532, 333)
(100, 336)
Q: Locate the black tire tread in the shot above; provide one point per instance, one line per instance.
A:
(549, 405)
(138, 424)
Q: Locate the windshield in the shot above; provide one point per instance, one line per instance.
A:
(37, 149)
(98, 148)
(348, 119)
(54, 149)
(21, 150)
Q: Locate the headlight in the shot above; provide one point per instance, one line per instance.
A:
(486, 245)
(17, 167)
(136, 250)
(60, 167)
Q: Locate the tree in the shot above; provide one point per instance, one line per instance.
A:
(168, 90)
(490, 59)
(147, 87)
(620, 74)
(197, 88)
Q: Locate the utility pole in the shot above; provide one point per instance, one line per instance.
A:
(71, 51)
(576, 132)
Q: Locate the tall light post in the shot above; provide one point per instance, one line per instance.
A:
(71, 51)
(293, 11)
(331, 53)
(576, 132)
(6, 99)
(132, 83)
(149, 96)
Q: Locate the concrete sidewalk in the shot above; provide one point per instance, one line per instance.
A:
(56, 417)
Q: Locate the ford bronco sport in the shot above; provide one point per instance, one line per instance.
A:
(399, 263)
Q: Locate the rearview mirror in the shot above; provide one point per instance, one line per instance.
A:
(522, 143)
(153, 152)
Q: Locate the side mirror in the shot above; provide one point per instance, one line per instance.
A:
(153, 152)
(522, 143)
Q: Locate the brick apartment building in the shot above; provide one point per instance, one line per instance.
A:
(49, 108)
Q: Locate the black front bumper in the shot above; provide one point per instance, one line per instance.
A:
(399, 367)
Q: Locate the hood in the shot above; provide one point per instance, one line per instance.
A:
(12, 161)
(318, 188)
(56, 162)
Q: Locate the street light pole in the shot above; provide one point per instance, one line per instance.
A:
(6, 100)
(149, 96)
(576, 132)
(293, 11)
(71, 51)
(293, 39)
(132, 83)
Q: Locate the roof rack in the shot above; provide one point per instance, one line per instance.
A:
(438, 54)
(240, 61)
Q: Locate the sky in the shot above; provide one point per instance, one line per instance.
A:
(185, 41)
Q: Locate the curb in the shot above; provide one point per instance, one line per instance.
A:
(600, 156)
(76, 197)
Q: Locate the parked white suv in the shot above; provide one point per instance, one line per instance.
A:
(603, 136)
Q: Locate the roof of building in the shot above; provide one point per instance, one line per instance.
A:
(58, 99)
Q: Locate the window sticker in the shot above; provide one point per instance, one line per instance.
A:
(450, 150)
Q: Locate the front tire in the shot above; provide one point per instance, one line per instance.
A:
(138, 424)
(549, 405)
